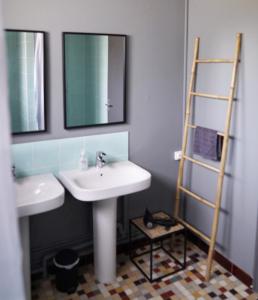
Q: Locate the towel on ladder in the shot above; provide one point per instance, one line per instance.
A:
(207, 143)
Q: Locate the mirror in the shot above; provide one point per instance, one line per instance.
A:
(25, 64)
(94, 79)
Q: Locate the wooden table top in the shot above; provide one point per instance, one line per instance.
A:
(158, 231)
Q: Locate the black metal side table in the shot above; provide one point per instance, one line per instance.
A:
(156, 235)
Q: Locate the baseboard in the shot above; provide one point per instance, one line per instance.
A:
(223, 261)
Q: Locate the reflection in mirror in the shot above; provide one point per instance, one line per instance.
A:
(94, 79)
(25, 62)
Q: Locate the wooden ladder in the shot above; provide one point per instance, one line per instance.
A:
(221, 170)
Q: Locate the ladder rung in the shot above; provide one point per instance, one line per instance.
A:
(197, 197)
(194, 127)
(218, 97)
(200, 163)
(196, 231)
(206, 61)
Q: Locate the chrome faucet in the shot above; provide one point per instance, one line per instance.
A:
(100, 162)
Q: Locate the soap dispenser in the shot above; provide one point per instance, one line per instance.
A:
(83, 162)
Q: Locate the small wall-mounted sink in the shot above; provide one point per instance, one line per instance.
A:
(35, 194)
(103, 187)
(113, 180)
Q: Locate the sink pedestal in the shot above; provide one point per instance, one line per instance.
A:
(25, 242)
(104, 230)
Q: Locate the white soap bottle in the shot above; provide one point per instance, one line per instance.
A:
(83, 162)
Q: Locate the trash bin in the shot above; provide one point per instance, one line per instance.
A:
(66, 265)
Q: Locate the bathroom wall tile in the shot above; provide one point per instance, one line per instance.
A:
(22, 158)
(45, 154)
(118, 147)
(70, 150)
(92, 145)
(111, 158)
(48, 169)
(64, 154)
(114, 145)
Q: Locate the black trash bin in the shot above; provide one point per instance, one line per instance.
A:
(66, 265)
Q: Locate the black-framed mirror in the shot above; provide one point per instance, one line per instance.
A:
(26, 80)
(94, 79)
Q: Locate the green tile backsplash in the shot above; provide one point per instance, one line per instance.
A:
(63, 154)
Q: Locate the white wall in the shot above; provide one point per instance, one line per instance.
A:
(216, 23)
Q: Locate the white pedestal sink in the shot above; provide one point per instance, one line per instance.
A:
(103, 187)
(34, 195)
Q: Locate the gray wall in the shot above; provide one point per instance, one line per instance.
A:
(154, 97)
(217, 22)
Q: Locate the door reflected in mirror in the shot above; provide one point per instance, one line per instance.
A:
(94, 79)
(26, 84)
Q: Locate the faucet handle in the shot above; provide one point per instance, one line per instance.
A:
(100, 162)
(101, 154)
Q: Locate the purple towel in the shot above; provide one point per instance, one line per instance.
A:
(206, 143)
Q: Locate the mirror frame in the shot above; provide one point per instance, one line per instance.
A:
(64, 80)
(44, 80)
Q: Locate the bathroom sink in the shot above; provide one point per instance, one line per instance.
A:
(34, 195)
(37, 194)
(103, 186)
(113, 180)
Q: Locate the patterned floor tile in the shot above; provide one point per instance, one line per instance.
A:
(131, 284)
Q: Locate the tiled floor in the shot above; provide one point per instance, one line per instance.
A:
(131, 284)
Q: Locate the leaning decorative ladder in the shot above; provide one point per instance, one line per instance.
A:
(221, 170)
